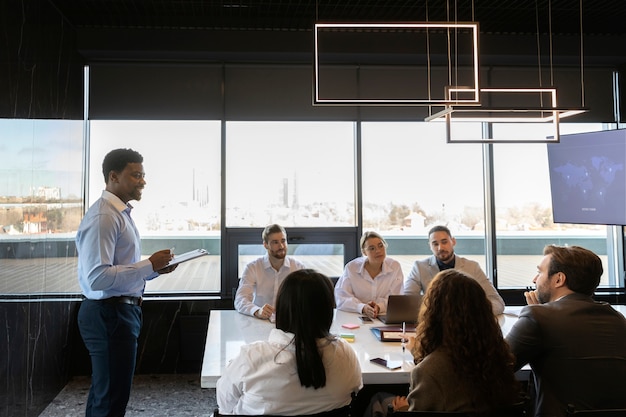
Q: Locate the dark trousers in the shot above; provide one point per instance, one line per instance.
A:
(371, 394)
(379, 405)
(110, 332)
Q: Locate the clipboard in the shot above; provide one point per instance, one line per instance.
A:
(187, 256)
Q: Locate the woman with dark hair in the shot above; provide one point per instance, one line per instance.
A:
(302, 368)
(462, 361)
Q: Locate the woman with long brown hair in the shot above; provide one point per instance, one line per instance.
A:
(462, 361)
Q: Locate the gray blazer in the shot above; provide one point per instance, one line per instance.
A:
(576, 348)
(424, 270)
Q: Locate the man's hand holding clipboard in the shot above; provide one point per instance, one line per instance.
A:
(187, 256)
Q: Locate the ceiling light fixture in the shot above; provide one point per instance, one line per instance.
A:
(465, 35)
(521, 114)
(525, 112)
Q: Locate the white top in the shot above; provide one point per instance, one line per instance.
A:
(259, 283)
(263, 379)
(356, 287)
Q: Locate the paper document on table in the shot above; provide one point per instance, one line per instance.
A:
(187, 256)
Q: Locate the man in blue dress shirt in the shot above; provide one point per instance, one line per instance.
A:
(112, 278)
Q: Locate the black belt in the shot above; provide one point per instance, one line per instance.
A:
(123, 299)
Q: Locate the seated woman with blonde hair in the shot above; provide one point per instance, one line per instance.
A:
(367, 281)
(463, 363)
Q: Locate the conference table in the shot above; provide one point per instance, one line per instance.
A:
(229, 330)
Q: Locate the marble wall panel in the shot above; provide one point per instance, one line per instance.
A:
(36, 351)
(41, 347)
(41, 72)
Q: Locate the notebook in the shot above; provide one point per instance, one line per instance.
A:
(401, 309)
(392, 333)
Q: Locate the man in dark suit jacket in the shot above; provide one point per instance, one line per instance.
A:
(575, 346)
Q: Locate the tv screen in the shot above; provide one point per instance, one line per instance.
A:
(588, 178)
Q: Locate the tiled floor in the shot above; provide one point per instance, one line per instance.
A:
(152, 396)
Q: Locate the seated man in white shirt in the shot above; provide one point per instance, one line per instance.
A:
(258, 286)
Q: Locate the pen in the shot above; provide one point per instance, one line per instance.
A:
(403, 336)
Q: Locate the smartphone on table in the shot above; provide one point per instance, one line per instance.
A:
(391, 365)
(365, 319)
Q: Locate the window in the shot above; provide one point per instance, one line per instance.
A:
(524, 223)
(413, 180)
(180, 206)
(300, 175)
(41, 204)
(297, 174)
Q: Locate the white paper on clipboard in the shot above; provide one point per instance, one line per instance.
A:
(187, 256)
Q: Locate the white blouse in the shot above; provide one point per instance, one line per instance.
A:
(263, 379)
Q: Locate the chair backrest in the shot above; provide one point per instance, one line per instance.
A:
(338, 412)
(432, 414)
(613, 412)
(519, 409)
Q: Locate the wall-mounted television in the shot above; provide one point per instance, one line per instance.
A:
(588, 178)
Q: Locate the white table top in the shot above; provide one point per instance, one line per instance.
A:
(229, 330)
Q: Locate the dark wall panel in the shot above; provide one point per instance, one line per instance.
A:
(278, 92)
(41, 73)
(155, 91)
(592, 90)
(41, 347)
(286, 92)
(36, 354)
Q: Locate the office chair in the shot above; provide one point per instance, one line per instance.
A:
(519, 409)
(612, 412)
(430, 414)
(500, 413)
(338, 412)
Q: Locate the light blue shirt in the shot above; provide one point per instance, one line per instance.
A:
(109, 251)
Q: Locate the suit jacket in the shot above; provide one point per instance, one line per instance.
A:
(576, 348)
(435, 386)
(424, 270)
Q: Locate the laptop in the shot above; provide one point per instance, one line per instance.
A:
(401, 309)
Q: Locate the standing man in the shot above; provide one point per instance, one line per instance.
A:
(575, 346)
(256, 295)
(442, 245)
(112, 278)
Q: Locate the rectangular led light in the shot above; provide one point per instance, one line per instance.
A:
(372, 45)
(535, 113)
